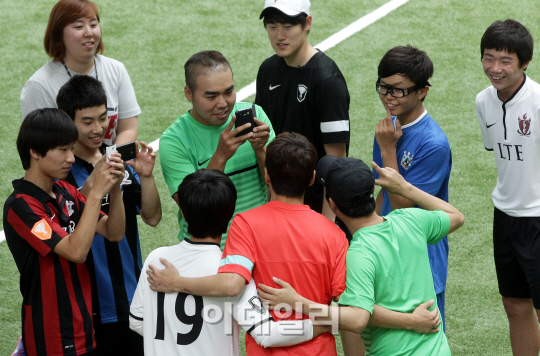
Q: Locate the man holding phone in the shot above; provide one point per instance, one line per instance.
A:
(206, 136)
(114, 266)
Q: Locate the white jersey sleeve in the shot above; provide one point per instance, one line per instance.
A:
(136, 309)
(482, 120)
(250, 313)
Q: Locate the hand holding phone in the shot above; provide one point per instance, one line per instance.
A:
(243, 117)
(128, 151)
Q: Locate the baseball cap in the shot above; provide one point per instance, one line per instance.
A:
(346, 179)
(291, 8)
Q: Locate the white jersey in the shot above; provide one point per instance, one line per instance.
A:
(182, 324)
(41, 89)
(511, 130)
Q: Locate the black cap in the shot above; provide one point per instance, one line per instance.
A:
(346, 179)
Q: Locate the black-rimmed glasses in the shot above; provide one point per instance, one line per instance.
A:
(395, 92)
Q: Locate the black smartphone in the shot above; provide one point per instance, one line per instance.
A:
(128, 151)
(243, 117)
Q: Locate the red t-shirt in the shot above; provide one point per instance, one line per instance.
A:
(297, 245)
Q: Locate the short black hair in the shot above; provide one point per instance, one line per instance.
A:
(290, 163)
(43, 130)
(409, 62)
(510, 36)
(273, 15)
(362, 206)
(207, 198)
(201, 63)
(80, 92)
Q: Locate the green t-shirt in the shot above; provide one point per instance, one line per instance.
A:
(388, 265)
(187, 146)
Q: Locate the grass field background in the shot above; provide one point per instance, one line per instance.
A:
(153, 38)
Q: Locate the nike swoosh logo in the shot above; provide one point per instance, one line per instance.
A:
(274, 87)
(203, 162)
(488, 126)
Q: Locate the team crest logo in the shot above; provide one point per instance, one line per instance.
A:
(126, 180)
(69, 206)
(524, 126)
(302, 92)
(42, 230)
(406, 160)
(257, 305)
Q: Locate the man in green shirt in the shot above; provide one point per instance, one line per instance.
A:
(205, 136)
(387, 261)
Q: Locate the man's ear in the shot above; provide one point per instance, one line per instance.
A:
(313, 178)
(188, 94)
(423, 92)
(309, 20)
(34, 154)
(525, 65)
(332, 206)
(266, 176)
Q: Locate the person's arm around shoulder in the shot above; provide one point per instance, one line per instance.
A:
(168, 280)
(391, 181)
(75, 247)
(421, 320)
(349, 318)
(143, 165)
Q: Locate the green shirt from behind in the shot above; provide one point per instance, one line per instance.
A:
(188, 145)
(388, 265)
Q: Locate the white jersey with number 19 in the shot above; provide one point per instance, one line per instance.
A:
(183, 324)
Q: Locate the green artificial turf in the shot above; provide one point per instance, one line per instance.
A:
(153, 38)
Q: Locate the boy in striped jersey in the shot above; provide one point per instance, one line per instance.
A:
(49, 228)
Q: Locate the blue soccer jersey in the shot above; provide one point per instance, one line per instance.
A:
(114, 266)
(424, 160)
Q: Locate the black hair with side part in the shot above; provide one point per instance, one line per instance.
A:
(275, 16)
(409, 62)
(80, 92)
(290, 163)
(202, 63)
(43, 130)
(362, 206)
(510, 36)
(207, 198)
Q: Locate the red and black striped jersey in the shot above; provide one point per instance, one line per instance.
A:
(57, 305)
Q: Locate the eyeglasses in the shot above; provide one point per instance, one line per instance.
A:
(395, 92)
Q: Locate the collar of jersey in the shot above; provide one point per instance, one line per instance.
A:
(34, 191)
(199, 243)
(415, 121)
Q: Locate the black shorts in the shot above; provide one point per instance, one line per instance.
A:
(117, 339)
(516, 245)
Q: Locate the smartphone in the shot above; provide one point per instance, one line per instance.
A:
(128, 151)
(243, 117)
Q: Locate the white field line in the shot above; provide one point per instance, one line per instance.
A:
(325, 45)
